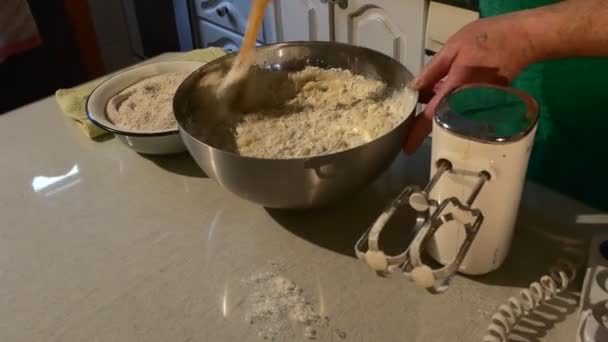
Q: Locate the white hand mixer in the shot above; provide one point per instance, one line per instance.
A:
(481, 142)
(466, 214)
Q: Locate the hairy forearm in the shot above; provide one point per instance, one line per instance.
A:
(572, 28)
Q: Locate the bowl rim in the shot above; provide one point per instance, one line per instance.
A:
(112, 78)
(408, 118)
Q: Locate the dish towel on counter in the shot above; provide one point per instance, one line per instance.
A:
(18, 29)
(73, 100)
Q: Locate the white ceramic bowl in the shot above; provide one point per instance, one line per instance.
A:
(149, 142)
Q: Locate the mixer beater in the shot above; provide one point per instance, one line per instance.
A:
(465, 215)
(410, 261)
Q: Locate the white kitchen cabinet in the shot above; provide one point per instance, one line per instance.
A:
(302, 20)
(443, 22)
(233, 15)
(393, 27)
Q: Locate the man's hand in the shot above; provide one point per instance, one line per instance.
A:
(495, 50)
(492, 50)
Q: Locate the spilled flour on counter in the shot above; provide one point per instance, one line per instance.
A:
(277, 306)
(146, 105)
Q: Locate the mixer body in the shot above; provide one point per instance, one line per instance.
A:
(482, 138)
(506, 163)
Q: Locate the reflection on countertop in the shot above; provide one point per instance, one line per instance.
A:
(54, 184)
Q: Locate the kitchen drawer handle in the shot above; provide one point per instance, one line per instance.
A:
(222, 11)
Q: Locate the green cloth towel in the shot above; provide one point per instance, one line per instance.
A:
(73, 100)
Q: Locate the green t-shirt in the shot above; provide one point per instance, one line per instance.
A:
(570, 149)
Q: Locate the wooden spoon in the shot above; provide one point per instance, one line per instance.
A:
(244, 59)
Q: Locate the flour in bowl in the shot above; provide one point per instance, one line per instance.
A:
(146, 105)
(312, 112)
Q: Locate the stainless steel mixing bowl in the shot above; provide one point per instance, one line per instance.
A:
(304, 182)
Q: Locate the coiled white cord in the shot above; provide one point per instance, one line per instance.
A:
(507, 316)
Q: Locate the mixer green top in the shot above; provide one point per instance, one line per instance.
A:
(488, 113)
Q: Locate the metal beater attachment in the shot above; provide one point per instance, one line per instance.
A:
(431, 215)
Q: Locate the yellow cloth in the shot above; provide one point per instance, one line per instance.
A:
(73, 100)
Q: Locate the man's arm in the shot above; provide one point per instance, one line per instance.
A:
(496, 49)
(573, 28)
